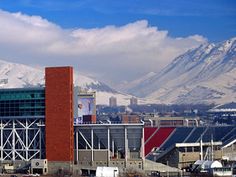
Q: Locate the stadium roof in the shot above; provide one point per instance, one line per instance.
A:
(228, 107)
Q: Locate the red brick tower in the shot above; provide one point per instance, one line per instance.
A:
(59, 117)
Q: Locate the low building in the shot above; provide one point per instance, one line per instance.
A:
(181, 155)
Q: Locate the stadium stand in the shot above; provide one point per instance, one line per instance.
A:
(161, 144)
(229, 135)
(148, 132)
(100, 136)
(82, 143)
(158, 138)
(165, 137)
(220, 132)
(116, 136)
(195, 134)
(178, 136)
(207, 134)
(229, 140)
(133, 137)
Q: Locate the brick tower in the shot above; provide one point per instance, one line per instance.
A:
(59, 118)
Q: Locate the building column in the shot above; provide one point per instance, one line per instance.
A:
(27, 140)
(1, 141)
(126, 147)
(13, 140)
(92, 146)
(77, 146)
(108, 146)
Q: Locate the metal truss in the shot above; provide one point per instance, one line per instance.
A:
(22, 139)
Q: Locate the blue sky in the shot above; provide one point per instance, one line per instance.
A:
(114, 41)
(213, 19)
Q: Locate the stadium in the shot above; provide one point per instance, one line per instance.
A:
(42, 126)
(161, 142)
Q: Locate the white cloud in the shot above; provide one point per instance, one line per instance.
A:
(111, 53)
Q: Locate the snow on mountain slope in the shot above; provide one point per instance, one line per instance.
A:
(14, 75)
(126, 86)
(206, 74)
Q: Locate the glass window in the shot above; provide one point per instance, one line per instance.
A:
(22, 102)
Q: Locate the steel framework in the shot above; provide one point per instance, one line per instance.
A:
(110, 137)
(22, 138)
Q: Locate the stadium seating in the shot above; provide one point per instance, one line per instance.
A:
(195, 135)
(178, 136)
(229, 135)
(158, 138)
(220, 132)
(134, 140)
(165, 137)
(148, 132)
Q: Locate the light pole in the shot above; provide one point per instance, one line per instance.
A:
(168, 169)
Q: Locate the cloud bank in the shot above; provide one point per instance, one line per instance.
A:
(113, 54)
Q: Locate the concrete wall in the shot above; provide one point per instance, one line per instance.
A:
(134, 155)
(100, 155)
(85, 156)
(134, 164)
(100, 158)
(59, 167)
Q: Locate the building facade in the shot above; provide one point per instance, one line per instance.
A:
(22, 116)
(38, 123)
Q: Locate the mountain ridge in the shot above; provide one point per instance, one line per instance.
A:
(206, 74)
(14, 75)
(209, 68)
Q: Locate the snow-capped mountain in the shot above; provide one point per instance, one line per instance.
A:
(206, 74)
(13, 75)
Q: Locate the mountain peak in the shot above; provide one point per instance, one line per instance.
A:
(226, 45)
(206, 74)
